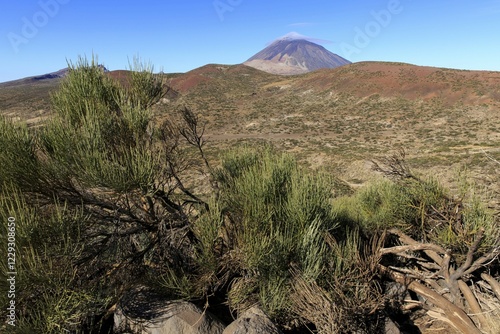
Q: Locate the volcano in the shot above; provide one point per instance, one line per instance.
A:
(294, 55)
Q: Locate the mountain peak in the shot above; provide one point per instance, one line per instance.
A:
(292, 36)
(294, 54)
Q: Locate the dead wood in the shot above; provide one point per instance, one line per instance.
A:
(458, 318)
(405, 239)
(474, 306)
(438, 279)
(495, 285)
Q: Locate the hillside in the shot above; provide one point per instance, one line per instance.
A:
(27, 99)
(338, 118)
(344, 117)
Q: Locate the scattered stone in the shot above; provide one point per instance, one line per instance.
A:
(395, 291)
(391, 327)
(253, 321)
(141, 311)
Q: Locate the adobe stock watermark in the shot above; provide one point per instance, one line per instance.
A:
(32, 25)
(372, 29)
(223, 6)
(11, 273)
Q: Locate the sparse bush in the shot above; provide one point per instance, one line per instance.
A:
(269, 215)
(383, 204)
(97, 195)
(51, 296)
(435, 242)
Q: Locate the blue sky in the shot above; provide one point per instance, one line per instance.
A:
(38, 36)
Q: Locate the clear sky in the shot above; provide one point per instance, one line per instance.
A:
(38, 36)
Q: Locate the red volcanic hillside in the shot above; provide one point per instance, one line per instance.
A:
(408, 81)
(362, 79)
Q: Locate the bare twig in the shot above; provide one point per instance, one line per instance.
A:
(409, 241)
(495, 285)
(470, 256)
(395, 166)
(456, 315)
(414, 247)
(491, 255)
(473, 304)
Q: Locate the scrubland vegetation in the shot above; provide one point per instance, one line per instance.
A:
(103, 199)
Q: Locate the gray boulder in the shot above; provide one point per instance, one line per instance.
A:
(253, 321)
(143, 312)
(391, 327)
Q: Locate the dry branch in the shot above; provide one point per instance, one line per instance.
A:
(483, 260)
(470, 256)
(414, 247)
(495, 285)
(458, 318)
(394, 166)
(473, 304)
(431, 279)
(409, 241)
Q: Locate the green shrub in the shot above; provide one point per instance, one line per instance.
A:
(96, 194)
(19, 163)
(384, 204)
(423, 209)
(49, 295)
(270, 215)
(105, 140)
(85, 89)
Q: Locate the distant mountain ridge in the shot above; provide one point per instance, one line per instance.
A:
(294, 55)
(48, 76)
(58, 74)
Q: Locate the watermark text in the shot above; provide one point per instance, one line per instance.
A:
(363, 36)
(11, 274)
(31, 25)
(223, 6)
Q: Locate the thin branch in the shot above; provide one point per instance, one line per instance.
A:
(456, 315)
(412, 248)
(470, 256)
(409, 241)
(192, 135)
(495, 252)
(490, 157)
(413, 273)
(494, 284)
(429, 265)
(395, 166)
(189, 193)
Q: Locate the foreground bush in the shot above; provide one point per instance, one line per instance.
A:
(269, 215)
(51, 295)
(444, 248)
(97, 196)
(271, 238)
